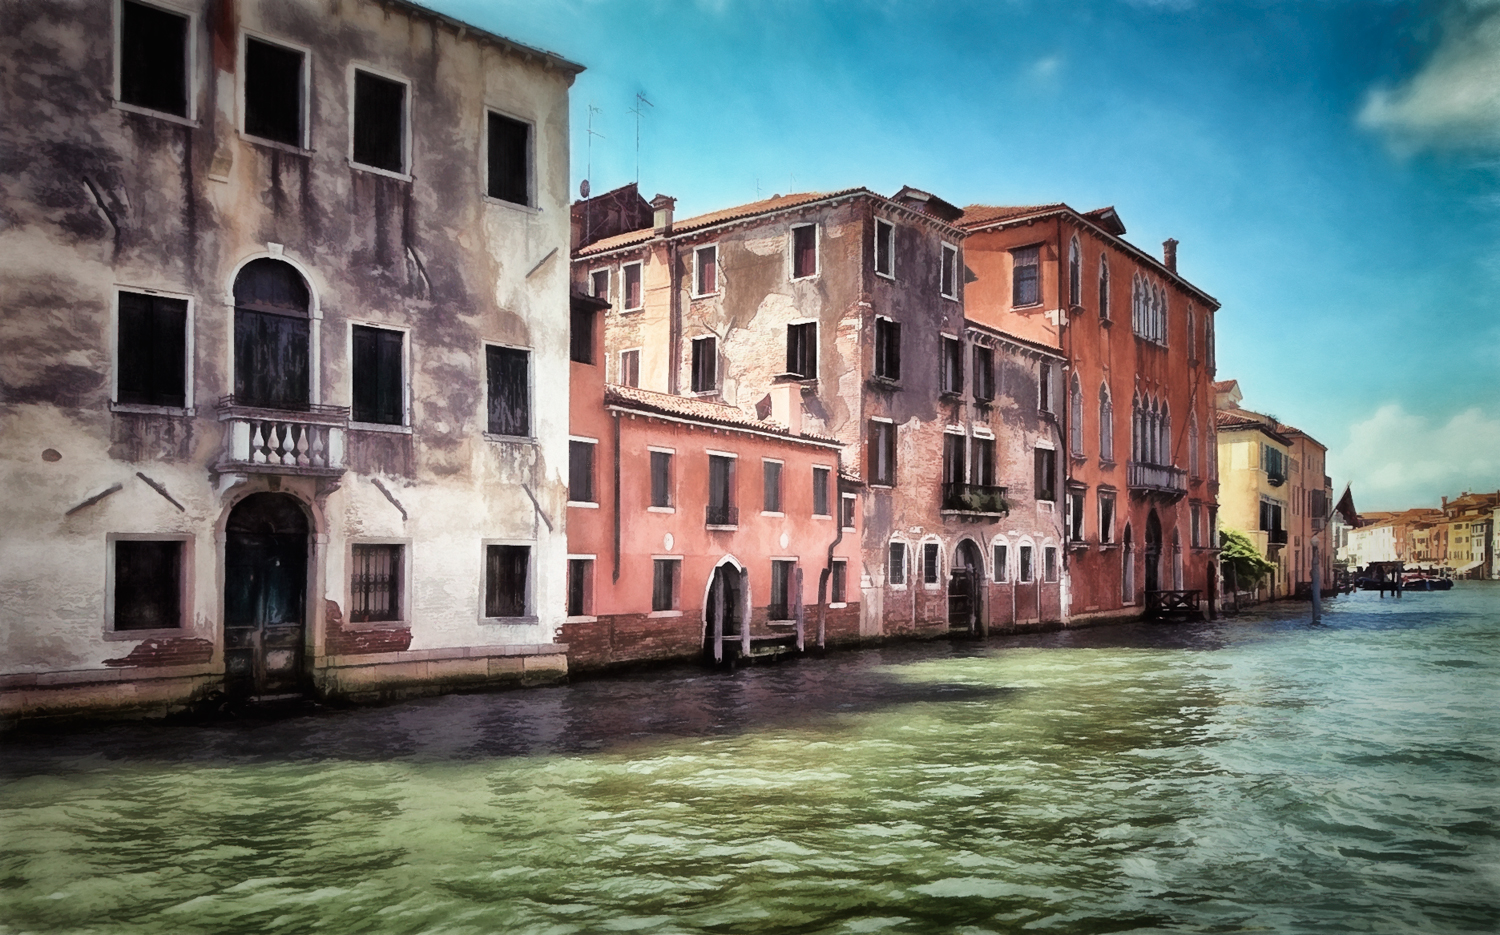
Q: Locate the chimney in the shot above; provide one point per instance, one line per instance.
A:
(1169, 253)
(662, 205)
(786, 402)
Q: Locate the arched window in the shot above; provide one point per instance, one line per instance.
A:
(1103, 288)
(1075, 273)
(1137, 430)
(1075, 417)
(1192, 344)
(271, 336)
(1165, 446)
(1193, 446)
(1153, 439)
(1208, 340)
(1106, 424)
(1135, 304)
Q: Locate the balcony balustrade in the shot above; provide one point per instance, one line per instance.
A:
(721, 515)
(1157, 479)
(276, 441)
(981, 499)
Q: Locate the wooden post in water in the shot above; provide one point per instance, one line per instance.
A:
(745, 613)
(801, 613)
(718, 611)
(979, 605)
(1317, 584)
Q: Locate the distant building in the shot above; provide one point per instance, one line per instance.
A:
(1470, 523)
(286, 353)
(1254, 497)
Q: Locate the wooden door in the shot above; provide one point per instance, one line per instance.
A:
(265, 596)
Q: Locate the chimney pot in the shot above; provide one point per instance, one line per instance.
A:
(661, 207)
(786, 403)
(1169, 253)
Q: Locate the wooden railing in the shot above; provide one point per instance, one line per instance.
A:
(1172, 603)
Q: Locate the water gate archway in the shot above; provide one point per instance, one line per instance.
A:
(723, 609)
(964, 587)
(265, 596)
(1153, 552)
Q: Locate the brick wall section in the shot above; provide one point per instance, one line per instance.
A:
(340, 640)
(171, 651)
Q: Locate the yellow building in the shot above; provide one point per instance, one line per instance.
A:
(1254, 495)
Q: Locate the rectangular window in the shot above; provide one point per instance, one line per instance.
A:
(721, 508)
(802, 350)
(1076, 505)
(781, 590)
(771, 478)
(630, 368)
(633, 296)
(1049, 564)
(1106, 516)
(580, 586)
(379, 391)
(273, 92)
(148, 584)
(661, 478)
(887, 349)
(508, 154)
(581, 335)
(840, 576)
(846, 518)
(885, 248)
(706, 273)
(581, 471)
(664, 583)
(984, 374)
(705, 365)
(1002, 563)
(930, 563)
(953, 459)
(379, 122)
(509, 390)
(599, 284)
(152, 350)
(882, 453)
(804, 251)
(1026, 276)
(1046, 474)
(820, 492)
(1197, 530)
(982, 468)
(375, 583)
(953, 366)
(896, 565)
(153, 58)
(1044, 387)
(1025, 555)
(506, 568)
(949, 276)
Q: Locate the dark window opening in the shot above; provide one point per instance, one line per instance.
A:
(509, 157)
(633, 285)
(885, 248)
(1026, 278)
(721, 509)
(580, 586)
(271, 336)
(896, 565)
(1002, 563)
(1044, 388)
(820, 492)
(375, 583)
(509, 391)
(1046, 474)
(804, 251)
(882, 453)
(1049, 563)
(379, 122)
(953, 366)
(273, 92)
(148, 585)
(1075, 516)
(153, 58)
(802, 350)
(581, 471)
(840, 573)
(781, 590)
(984, 373)
(152, 350)
(705, 365)
(929, 563)
(661, 478)
(581, 335)
(630, 368)
(887, 349)
(506, 568)
(1075, 275)
(708, 270)
(846, 518)
(377, 376)
(600, 284)
(1026, 563)
(1106, 518)
(1103, 290)
(983, 467)
(772, 483)
(953, 459)
(949, 285)
(664, 584)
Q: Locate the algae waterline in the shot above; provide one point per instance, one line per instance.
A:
(1256, 774)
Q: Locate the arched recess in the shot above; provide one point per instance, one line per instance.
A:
(1075, 415)
(1106, 424)
(726, 607)
(965, 586)
(275, 357)
(1127, 576)
(1153, 552)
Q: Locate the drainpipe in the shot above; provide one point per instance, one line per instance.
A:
(838, 522)
(617, 498)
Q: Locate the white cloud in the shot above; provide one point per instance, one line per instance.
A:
(1045, 68)
(1396, 459)
(1454, 100)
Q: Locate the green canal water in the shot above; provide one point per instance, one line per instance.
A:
(1251, 775)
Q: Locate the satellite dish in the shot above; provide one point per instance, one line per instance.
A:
(583, 188)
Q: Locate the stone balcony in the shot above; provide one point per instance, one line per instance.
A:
(306, 441)
(1159, 480)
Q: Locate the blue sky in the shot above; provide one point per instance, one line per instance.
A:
(1331, 168)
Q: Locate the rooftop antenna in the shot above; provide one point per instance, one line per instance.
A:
(640, 98)
(588, 174)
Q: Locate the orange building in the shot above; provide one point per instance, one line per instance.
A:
(695, 528)
(1133, 403)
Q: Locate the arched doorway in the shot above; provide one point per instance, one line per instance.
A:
(272, 324)
(1176, 561)
(1153, 552)
(723, 612)
(265, 596)
(964, 577)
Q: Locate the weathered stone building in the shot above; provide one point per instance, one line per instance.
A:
(285, 280)
(859, 300)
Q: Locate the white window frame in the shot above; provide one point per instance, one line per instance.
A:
(906, 552)
(193, 82)
(624, 292)
(586, 504)
(609, 279)
(406, 132)
(832, 489)
(817, 339)
(484, 397)
(698, 292)
(1025, 542)
(848, 496)
(676, 611)
(1083, 523)
(717, 385)
(405, 428)
(833, 604)
(780, 485)
(188, 398)
(530, 616)
(890, 242)
(949, 253)
(620, 365)
(532, 162)
(671, 480)
(1099, 498)
(185, 585)
(791, 253)
(303, 145)
(922, 562)
(403, 593)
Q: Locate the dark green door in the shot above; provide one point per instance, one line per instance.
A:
(265, 596)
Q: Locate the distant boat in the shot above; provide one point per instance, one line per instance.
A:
(1421, 582)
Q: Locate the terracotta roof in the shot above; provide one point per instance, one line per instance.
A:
(976, 215)
(764, 206)
(1223, 386)
(701, 410)
(1012, 338)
